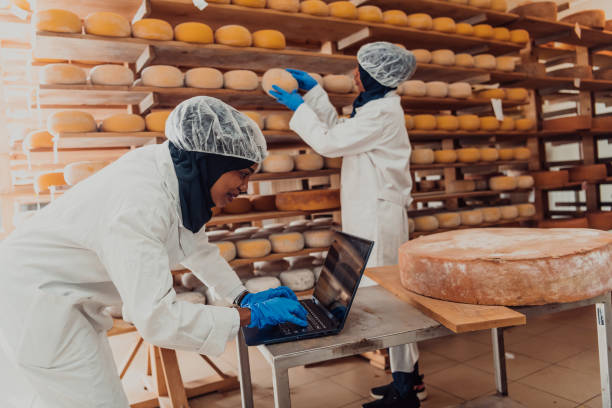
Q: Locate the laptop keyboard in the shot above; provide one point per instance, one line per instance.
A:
(315, 322)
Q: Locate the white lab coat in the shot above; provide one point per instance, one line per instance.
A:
(111, 239)
(375, 178)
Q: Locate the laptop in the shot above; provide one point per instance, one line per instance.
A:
(333, 295)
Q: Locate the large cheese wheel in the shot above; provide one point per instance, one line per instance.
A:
(234, 35)
(526, 210)
(517, 94)
(501, 34)
(541, 9)
(414, 88)
(600, 220)
(272, 39)
(395, 17)
(123, 122)
(278, 121)
(508, 124)
(71, 122)
(447, 122)
(460, 90)
(491, 214)
(551, 179)
(422, 156)
(278, 163)
(489, 123)
(250, 3)
(506, 153)
(241, 80)
(492, 94)
(564, 223)
(163, 76)
(279, 77)
(464, 60)
(298, 280)
(111, 74)
(420, 21)
(409, 122)
(338, 83)
(444, 25)
(107, 24)
(205, 78)
(524, 182)
(370, 13)
(255, 117)
(589, 18)
(464, 29)
(521, 153)
(471, 218)
(443, 57)
(153, 29)
(483, 31)
(507, 64)
(38, 139)
(314, 8)
(448, 220)
(411, 226)
(62, 74)
(44, 181)
(156, 121)
(469, 123)
(488, 154)
(589, 172)
(285, 243)
(309, 200)
(260, 284)
(333, 162)
(424, 122)
(422, 56)
(480, 3)
(308, 162)
(194, 32)
(239, 205)
(503, 183)
(509, 212)
(499, 5)
(460, 186)
(253, 248)
(318, 238)
(290, 6)
(468, 155)
(445, 156)
(75, 172)
(525, 124)
(485, 61)
(426, 223)
(343, 9)
(519, 36)
(264, 203)
(437, 89)
(57, 21)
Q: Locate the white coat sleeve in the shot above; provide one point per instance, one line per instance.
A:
(352, 136)
(318, 100)
(136, 259)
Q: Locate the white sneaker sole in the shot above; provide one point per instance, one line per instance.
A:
(422, 396)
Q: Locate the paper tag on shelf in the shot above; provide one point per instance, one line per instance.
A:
(578, 30)
(577, 83)
(497, 109)
(200, 4)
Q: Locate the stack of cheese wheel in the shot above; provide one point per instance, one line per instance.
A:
(75, 172)
(445, 156)
(526, 210)
(491, 214)
(471, 217)
(287, 242)
(395, 17)
(509, 212)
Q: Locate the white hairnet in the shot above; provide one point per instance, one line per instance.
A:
(206, 124)
(388, 64)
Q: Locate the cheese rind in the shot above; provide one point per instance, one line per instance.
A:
(343, 9)
(241, 80)
(71, 122)
(308, 200)
(107, 24)
(426, 223)
(471, 218)
(194, 32)
(234, 35)
(298, 280)
(445, 156)
(308, 162)
(163, 76)
(204, 78)
(468, 155)
(448, 220)
(153, 29)
(278, 163)
(289, 6)
(279, 77)
(287, 242)
(314, 8)
(156, 121)
(395, 17)
(443, 57)
(420, 21)
(370, 13)
(111, 74)
(318, 238)
(422, 156)
(338, 83)
(62, 74)
(123, 122)
(57, 21)
(253, 248)
(272, 39)
(503, 183)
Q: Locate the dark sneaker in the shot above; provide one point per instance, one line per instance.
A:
(392, 399)
(419, 388)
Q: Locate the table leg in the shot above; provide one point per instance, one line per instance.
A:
(244, 371)
(499, 360)
(604, 334)
(282, 395)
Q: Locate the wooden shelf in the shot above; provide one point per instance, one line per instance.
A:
(273, 257)
(543, 31)
(102, 140)
(557, 83)
(477, 164)
(483, 225)
(441, 196)
(293, 175)
(262, 215)
(573, 185)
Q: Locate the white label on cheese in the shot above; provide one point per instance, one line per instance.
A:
(497, 108)
(200, 4)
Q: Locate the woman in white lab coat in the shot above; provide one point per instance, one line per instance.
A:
(375, 178)
(112, 239)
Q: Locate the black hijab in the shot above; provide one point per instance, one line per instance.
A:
(373, 90)
(196, 173)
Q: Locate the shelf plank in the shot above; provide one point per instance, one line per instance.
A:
(273, 257)
(262, 215)
(293, 175)
(543, 30)
(441, 196)
(82, 8)
(477, 164)
(102, 140)
(483, 225)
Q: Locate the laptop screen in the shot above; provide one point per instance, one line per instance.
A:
(341, 273)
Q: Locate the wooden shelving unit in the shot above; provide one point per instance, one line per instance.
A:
(501, 223)
(262, 215)
(276, 256)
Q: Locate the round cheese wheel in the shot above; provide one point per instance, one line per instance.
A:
(298, 280)
(38, 139)
(163, 76)
(290, 6)
(193, 32)
(262, 283)
(492, 94)
(333, 162)
(234, 35)
(444, 25)
(526, 210)
(489, 123)
(314, 8)
(411, 226)
(422, 156)
(123, 122)
(464, 60)
(470, 218)
(205, 78)
(45, 181)
(445, 156)
(239, 205)
(255, 117)
(263, 203)
(424, 122)
(485, 61)
(460, 90)
(509, 212)
(420, 21)
(448, 220)
(250, 3)
(285, 243)
(370, 13)
(318, 238)
(600, 220)
(62, 74)
(464, 29)
(468, 155)
(272, 39)
(241, 80)
(524, 182)
(422, 56)
(395, 17)
(517, 94)
(443, 57)
(426, 223)
(507, 64)
(525, 124)
(469, 123)
(488, 154)
(506, 153)
(519, 36)
(253, 248)
(437, 89)
(588, 172)
(156, 121)
(491, 214)
(508, 124)
(480, 3)
(501, 34)
(551, 179)
(75, 172)
(57, 21)
(308, 200)
(153, 29)
(279, 77)
(308, 162)
(278, 121)
(271, 268)
(565, 223)
(343, 9)
(503, 183)
(71, 122)
(111, 74)
(460, 186)
(107, 24)
(484, 31)
(521, 153)
(278, 163)
(499, 5)
(414, 88)
(447, 122)
(338, 83)
(409, 122)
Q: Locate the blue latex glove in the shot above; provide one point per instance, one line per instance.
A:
(252, 298)
(304, 80)
(291, 100)
(277, 310)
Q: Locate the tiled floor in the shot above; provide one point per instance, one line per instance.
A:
(552, 362)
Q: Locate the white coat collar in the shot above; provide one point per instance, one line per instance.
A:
(389, 94)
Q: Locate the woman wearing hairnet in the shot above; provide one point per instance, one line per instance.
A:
(112, 239)
(375, 177)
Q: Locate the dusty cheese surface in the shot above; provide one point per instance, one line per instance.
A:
(509, 266)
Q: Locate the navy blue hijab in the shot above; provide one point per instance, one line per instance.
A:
(373, 90)
(196, 173)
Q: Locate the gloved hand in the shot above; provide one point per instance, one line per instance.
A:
(252, 298)
(304, 80)
(291, 100)
(277, 310)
